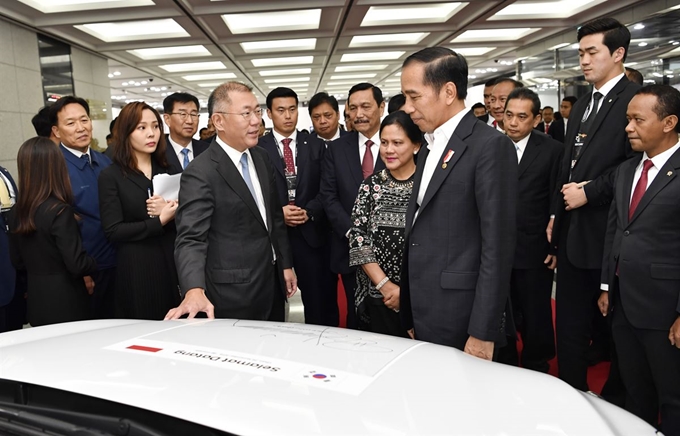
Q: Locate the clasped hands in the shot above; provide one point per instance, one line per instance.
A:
(156, 206)
(294, 215)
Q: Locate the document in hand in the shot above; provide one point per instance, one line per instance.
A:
(167, 186)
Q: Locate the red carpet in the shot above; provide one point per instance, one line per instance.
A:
(597, 375)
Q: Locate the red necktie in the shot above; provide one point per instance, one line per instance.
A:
(547, 127)
(288, 156)
(367, 163)
(495, 124)
(640, 188)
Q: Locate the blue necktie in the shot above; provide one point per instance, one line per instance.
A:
(246, 175)
(185, 164)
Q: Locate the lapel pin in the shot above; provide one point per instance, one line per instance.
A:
(447, 158)
(670, 173)
(610, 100)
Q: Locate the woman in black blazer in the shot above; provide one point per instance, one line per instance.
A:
(45, 239)
(141, 225)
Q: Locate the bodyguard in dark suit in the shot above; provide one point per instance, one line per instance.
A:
(232, 252)
(557, 129)
(12, 302)
(532, 271)
(181, 115)
(641, 262)
(460, 222)
(297, 158)
(348, 162)
(596, 144)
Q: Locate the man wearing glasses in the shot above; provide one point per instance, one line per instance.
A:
(232, 251)
(181, 115)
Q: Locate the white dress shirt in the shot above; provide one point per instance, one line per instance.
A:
(78, 153)
(235, 157)
(521, 146)
(293, 143)
(436, 143)
(336, 136)
(375, 148)
(604, 91)
(178, 150)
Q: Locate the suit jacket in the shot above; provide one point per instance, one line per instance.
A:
(56, 262)
(175, 166)
(7, 271)
(646, 249)
(340, 181)
(223, 245)
(459, 251)
(310, 151)
(605, 148)
(537, 172)
(541, 127)
(556, 129)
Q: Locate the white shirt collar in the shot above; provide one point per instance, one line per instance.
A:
(375, 138)
(279, 137)
(660, 159)
(446, 129)
(178, 148)
(336, 136)
(522, 144)
(233, 154)
(611, 83)
(78, 153)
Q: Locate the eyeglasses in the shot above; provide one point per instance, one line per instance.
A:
(183, 115)
(247, 115)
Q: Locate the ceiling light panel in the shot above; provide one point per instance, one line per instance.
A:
(217, 76)
(541, 9)
(473, 51)
(287, 72)
(417, 14)
(278, 21)
(195, 66)
(353, 76)
(274, 62)
(52, 6)
(387, 40)
(134, 30)
(350, 68)
(287, 80)
(150, 54)
(495, 34)
(279, 45)
(290, 85)
(375, 56)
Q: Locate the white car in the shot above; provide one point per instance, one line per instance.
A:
(258, 378)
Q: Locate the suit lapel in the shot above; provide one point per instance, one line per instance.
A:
(417, 180)
(457, 147)
(302, 151)
(627, 174)
(263, 176)
(173, 160)
(666, 174)
(232, 176)
(351, 150)
(531, 151)
(269, 143)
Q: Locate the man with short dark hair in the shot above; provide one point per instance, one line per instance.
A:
(503, 87)
(547, 115)
(460, 223)
(297, 158)
(181, 115)
(325, 114)
(348, 121)
(71, 125)
(348, 162)
(634, 76)
(641, 266)
(41, 124)
(558, 128)
(538, 156)
(232, 252)
(595, 144)
(396, 103)
(488, 89)
(479, 110)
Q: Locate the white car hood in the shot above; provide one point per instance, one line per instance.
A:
(259, 378)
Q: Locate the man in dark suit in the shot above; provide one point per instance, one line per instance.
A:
(558, 128)
(72, 126)
(641, 262)
(460, 222)
(181, 116)
(325, 114)
(547, 115)
(488, 89)
(595, 145)
(297, 158)
(348, 162)
(12, 285)
(532, 272)
(499, 95)
(232, 252)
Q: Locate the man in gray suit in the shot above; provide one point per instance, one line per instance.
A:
(460, 222)
(232, 252)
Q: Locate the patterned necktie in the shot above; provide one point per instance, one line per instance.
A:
(246, 175)
(5, 198)
(367, 162)
(288, 156)
(86, 158)
(547, 127)
(640, 188)
(185, 163)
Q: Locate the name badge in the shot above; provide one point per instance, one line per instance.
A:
(291, 185)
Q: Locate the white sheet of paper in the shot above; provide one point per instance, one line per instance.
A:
(167, 186)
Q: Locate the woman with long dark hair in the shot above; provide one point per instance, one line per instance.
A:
(45, 239)
(139, 223)
(376, 239)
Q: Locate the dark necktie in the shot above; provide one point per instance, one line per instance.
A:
(585, 126)
(288, 156)
(185, 163)
(86, 158)
(367, 162)
(640, 188)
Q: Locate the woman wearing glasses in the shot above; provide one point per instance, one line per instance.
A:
(139, 223)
